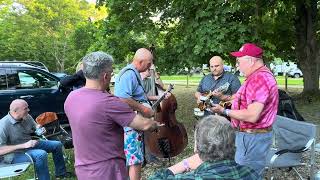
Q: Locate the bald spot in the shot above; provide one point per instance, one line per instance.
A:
(16, 104)
(216, 60)
(142, 54)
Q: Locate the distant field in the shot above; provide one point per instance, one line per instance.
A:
(195, 79)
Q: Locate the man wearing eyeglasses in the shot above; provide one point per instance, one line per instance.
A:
(254, 108)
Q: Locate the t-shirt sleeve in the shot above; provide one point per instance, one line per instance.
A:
(258, 89)
(3, 134)
(126, 84)
(121, 113)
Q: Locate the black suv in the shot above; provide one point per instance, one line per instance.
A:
(38, 87)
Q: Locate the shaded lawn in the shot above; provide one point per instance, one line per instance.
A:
(184, 114)
(195, 79)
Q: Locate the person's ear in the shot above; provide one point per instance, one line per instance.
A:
(105, 75)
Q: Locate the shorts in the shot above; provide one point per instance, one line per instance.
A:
(133, 147)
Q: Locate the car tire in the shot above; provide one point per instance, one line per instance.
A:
(296, 75)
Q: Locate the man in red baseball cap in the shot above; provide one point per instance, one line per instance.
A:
(249, 49)
(254, 108)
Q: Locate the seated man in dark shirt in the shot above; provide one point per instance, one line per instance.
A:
(214, 155)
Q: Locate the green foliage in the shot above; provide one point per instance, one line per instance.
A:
(41, 30)
(185, 33)
(188, 33)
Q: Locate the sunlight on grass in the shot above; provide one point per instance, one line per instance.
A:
(195, 79)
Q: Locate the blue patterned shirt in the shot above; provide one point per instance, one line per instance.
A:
(208, 83)
(221, 170)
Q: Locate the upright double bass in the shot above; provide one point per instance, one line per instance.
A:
(171, 138)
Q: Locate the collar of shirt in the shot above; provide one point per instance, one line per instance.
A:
(12, 120)
(218, 76)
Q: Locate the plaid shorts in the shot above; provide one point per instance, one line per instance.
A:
(133, 147)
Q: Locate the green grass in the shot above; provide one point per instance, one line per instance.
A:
(195, 79)
(184, 114)
(69, 164)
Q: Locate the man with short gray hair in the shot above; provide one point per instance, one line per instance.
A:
(97, 119)
(214, 158)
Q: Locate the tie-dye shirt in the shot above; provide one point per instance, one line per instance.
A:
(260, 87)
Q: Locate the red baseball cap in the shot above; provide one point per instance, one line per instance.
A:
(248, 49)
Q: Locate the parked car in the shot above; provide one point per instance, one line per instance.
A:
(295, 72)
(60, 75)
(31, 63)
(290, 68)
(35, 85)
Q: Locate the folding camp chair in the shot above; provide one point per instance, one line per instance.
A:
(11, 170)
(292, 139)
(54, 131)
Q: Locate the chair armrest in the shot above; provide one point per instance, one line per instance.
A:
(300, 150)
(30, 158)
(34, 167)
(62, 127)
(52, 135)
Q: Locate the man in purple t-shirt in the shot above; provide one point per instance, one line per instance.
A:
(97, 119)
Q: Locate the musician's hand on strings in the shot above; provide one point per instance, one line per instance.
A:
(217, 108)
(167, 95)
(156, 126)
(216, 94)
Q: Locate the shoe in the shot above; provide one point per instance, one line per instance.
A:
(65, 176)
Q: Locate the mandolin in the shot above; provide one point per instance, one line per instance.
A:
(206, 102)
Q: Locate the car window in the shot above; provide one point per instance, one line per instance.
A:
(33, 79)
(3, 80)
(13, 80)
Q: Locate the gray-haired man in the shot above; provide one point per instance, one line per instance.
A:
(97, 119)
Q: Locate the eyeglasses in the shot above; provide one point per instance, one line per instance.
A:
(242, 58)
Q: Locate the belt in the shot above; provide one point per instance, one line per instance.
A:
(254, 131)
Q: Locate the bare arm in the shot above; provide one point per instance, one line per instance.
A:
(197, 96)
(251, 114)
(192, 162)
(144, 124)
(10, 148)
(145, 111)
(153, 98)
(222, 97)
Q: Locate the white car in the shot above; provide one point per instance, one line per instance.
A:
(290, 68)
(295, 72)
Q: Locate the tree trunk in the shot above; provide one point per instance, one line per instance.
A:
(307, 49)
